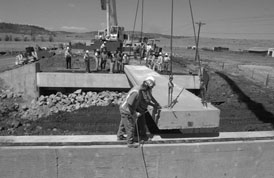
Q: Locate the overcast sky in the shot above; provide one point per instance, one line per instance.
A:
(250, 19)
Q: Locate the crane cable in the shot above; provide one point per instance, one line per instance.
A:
(133, 30)
(141, 145)
(170, 83)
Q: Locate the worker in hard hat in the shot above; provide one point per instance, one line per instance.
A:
(97, 57)
(125, 61)
(158, 63)
(146, 99)
(86, 59)
(68, 56)
(129, 113)
(166, 62)
(103, 47)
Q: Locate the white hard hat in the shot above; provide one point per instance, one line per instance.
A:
(166, 54)
(87, 51)
(150, 81)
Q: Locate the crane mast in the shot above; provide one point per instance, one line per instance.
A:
(113, 32)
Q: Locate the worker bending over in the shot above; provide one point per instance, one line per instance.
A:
(146, 99)
(134, 101)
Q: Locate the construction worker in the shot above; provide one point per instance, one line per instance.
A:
(146, 99)
(166, 62)
(110, 61)
(158, 63)
(68, 56)
(204, 78)
(104, 57)
(119, 65)
(86, 59)
(129, 114)
(103, 47)
(125, 61)
(98, 58)
(136, 49)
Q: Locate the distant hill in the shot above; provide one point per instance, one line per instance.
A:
(36, 30)
(23, 29)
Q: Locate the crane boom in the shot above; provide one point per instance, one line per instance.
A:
(113, 32)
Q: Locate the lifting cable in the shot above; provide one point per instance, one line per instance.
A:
(197, 56)
(133, 31)
(170, 83)
(141, 145)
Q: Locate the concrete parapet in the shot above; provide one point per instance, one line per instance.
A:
(76, 156)
(188, 113)
(82, 80)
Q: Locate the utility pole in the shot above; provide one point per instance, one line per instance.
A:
(197, 44)
(194, 31)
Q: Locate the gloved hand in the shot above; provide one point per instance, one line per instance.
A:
(157, 106)
(136, 115)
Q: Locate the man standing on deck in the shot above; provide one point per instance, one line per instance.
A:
(86, 58)
(68, 57)
(129, 113)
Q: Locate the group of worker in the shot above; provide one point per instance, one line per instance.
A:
(116, 60)
(158, 61)
(133, 111)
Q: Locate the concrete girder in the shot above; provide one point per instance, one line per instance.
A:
(188, 113)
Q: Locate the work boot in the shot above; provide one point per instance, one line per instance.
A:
(121, 138)
(133, 145)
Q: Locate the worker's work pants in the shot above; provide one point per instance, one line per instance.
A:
(166, 64)
(87, 65)
(127, 126)
(103, 63)
(68, 62)
(141, 123)
(119, 66)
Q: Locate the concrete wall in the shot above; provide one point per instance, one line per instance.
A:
(82, 80)
(173, 159)
(22, 79)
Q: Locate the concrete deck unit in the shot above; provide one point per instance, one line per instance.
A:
(188, 114)
(82, 80)
(244, 155)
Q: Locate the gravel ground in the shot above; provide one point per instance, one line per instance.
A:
(245, 105)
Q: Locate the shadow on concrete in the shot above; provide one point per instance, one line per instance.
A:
(174, 133)
(257, 108)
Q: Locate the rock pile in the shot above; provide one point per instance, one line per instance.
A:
(10, 108)
(54, 103)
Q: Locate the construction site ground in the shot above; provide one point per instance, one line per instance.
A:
(246, 102)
